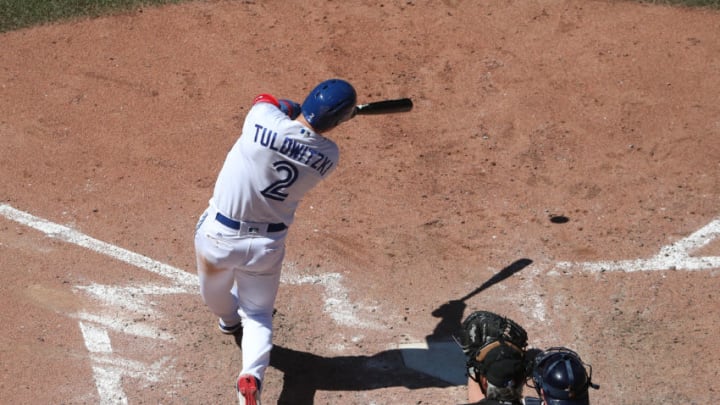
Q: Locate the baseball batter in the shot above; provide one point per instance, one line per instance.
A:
(281, 155)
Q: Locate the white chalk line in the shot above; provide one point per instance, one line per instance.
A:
(96, 339)
(131, 298)
(72, 236)
(675, 256)
(108, 368)
(337, 304)
(537, 304)
(109, 371)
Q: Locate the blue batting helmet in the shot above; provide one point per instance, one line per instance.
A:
(328, 104)
(560, 377)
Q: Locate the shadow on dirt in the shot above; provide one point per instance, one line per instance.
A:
(305, 373)
(451, 313)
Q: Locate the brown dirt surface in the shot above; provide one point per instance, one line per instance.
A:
(604, 112)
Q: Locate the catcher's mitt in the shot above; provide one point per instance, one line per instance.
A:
(483, 331)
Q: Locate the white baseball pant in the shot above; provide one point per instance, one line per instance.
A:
(239, 274)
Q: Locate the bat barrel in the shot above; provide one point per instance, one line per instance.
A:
(385, 107)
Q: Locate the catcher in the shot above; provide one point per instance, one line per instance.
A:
(496, 350)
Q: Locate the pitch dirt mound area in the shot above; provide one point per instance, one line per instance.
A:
(603, 112)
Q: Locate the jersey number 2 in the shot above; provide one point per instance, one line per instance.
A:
(289, 174)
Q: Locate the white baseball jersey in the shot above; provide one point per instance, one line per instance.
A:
(273, 164)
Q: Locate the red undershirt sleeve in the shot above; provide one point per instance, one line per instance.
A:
(266, 98)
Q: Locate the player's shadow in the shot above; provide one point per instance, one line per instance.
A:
(451, 313)
(305, 373)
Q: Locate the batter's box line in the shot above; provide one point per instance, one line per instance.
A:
(675, 256)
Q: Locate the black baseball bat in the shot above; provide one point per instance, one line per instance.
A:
(384, 107)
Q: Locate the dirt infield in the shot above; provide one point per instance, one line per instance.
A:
(604, 113)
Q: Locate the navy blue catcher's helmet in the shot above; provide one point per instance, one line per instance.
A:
(329, 103)
(560, 377)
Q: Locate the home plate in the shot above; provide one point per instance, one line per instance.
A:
(442, 359)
